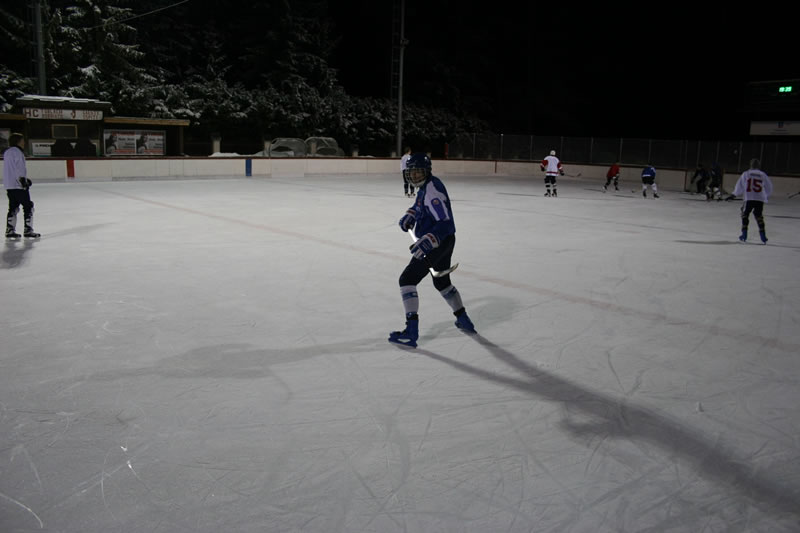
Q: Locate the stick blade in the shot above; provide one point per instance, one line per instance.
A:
(440, 273)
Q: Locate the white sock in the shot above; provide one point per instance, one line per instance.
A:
(452, 297)
(410, 298)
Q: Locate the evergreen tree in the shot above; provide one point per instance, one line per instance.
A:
(99, 55)
(15, 34)
(261, 68)
(17, 74)
(217, 106)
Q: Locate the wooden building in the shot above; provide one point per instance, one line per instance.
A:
(56, 126)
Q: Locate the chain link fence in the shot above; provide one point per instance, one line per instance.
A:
(777, 158)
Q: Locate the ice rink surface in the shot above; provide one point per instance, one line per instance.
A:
(211, 356)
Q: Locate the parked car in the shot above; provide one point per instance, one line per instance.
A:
(287, 147)
(323, 147)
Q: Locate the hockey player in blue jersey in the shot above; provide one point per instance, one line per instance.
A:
(649, 178)
(431, 218)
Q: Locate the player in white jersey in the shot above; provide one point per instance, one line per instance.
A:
(17, 185)
(408, 188)
(551, 166)
(754, 186)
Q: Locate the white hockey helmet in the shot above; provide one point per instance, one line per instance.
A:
(552, 152)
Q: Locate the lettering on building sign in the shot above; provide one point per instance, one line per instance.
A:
(34, 113)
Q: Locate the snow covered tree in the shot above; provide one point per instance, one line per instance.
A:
(258, 68)
(12, 86)
(98, 56)
(218, 106)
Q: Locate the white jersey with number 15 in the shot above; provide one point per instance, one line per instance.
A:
(753, 184)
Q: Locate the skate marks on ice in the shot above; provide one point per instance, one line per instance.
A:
(22, 506)
(621, 193)
(518, 194)
(624, 310)
(229, 361)
(782, 216)
(607, 417)
(711, 243)
(737, 242)
(78, 230)
(275, 230)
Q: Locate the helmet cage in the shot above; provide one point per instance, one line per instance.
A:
(416, 176)
(418, 169)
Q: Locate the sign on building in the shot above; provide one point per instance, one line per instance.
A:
(34, 113)
(134, 142)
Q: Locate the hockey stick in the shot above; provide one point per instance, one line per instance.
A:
(578, 175)
(434, 273)
(793, 195)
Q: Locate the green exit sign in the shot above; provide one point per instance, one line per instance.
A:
(786, 89)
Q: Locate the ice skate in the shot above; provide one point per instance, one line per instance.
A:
(464, 323)
(12, 235)
(547, 193)
(409, 336)
(743, 236)
(615, 187)
(644, 194)
(29, 233)
(555, 193)
(655, 195)
(605, 188)
(763, 235)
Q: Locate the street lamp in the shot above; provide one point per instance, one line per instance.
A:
(403, 44)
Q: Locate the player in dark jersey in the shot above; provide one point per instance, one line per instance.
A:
(431, 218)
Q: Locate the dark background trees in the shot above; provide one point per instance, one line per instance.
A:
(273, 68)
(257, 71)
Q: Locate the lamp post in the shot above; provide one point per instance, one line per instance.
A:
(37, 15)
(403, 44)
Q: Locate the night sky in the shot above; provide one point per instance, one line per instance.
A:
(662, 72)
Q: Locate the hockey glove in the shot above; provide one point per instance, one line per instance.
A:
(408, 220)
(542, 167)
(25, 183)
(561, 172)
(425, 245)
